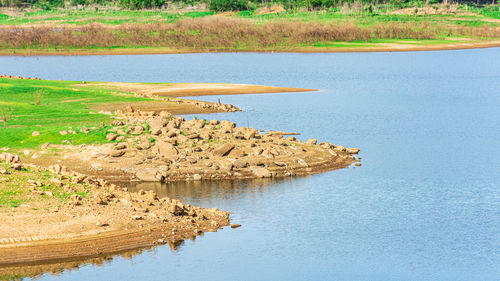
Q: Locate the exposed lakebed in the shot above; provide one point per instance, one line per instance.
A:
(424, 205)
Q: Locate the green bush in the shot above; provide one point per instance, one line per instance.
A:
(229, 5)
(141, 4)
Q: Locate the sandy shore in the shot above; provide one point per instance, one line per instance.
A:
(193, 89)
(377, 47)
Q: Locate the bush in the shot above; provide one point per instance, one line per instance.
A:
(229, 5)
(141, 4)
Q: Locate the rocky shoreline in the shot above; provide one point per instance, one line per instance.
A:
(97, 217)
(155, 147)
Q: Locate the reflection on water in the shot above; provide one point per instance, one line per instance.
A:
(58, 268)
(199, 192)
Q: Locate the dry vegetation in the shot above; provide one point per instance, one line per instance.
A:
(225, 33)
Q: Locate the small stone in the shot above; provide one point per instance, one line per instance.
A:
(235, 225)
(111, 136)
(35, 133)
(312, 141)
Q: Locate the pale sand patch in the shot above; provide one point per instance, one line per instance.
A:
(194, 89)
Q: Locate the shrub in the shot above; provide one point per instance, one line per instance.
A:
(229, 5)
(141, 4)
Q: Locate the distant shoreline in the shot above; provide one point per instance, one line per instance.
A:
(374, 47)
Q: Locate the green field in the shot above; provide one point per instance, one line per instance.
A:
(61, 105)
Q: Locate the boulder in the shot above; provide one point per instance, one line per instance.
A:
(224, 149)
(165, 149)
(155, 125)
(150, 175)
(261, 172)
(117, 153)
(352, 150)
(312, 141)
(239, 164)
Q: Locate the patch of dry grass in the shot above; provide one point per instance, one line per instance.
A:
(225, 33)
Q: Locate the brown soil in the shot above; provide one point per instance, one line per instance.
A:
(107, 220)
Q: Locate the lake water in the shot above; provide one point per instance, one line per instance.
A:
(425, 205)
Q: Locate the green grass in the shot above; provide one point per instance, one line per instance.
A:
(106, 16)
(62, 105)
(15, 191)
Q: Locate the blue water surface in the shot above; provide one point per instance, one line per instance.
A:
(425, 205)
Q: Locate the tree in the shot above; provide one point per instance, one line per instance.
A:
(6, 114)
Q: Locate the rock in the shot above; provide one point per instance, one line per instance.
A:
(177, 210)
(120, 146)
(261, 172)
(239, 164)
(155, 125)
(166, 150)
(137, 130)
(45, 145)
(84, 130)
(111, 136)
(63, 133)
(35, 133)
(149, 175)
(16, 166)
(3, 171)
(352, 150)
(129, 109)
(250, 134)
(56, 182)
(339, 148)
(312, 141)
(236, 153)
(235, 225)
(224, 149)
(358, 164)
(197, 177)
(117, 153)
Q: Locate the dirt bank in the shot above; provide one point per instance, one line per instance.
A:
(68, 215)
(376, 47)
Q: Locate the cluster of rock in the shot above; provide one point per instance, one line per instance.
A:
(160, 147)
(18, 77)
(144, 206)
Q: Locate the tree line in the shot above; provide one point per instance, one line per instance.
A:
(236, 5)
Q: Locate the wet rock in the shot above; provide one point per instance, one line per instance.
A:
(235, 225)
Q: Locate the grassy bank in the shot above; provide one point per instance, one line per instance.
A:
(50, 107)
(77, 30)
